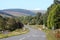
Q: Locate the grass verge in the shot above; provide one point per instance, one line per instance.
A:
(36, 26)
(15, 33)
(50, 35)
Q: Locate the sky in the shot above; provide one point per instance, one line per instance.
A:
(25, 4)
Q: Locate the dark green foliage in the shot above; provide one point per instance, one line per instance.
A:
(56, 1)
(57, 16)
(2, 23)
(19, 24)
(52, 17)
(45, 19)
(10, 24)
(32, 20)
(39, 18)
(45, 16)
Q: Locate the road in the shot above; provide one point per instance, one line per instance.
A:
(34, 34)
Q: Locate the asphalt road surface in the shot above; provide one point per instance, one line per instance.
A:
(34, 34)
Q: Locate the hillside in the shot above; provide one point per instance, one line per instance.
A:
(20, 12)
(6, 14)
(36, 11)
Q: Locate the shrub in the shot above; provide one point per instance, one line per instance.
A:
(57, 34)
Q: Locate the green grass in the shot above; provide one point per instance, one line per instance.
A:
(14, 33)
(49, 34)
(36, 26)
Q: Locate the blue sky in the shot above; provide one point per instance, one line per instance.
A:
(25, 4)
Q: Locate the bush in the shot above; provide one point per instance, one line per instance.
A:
(10, 24)
(57, 34)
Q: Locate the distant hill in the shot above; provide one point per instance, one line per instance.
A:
(18, 12)
(5, 14)
(36, 11)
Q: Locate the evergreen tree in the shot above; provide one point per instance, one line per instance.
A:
(53, 16)
(2, 23)
(56, 1)
(11, 24)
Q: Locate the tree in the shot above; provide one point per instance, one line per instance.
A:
(39, 18)
(50, 20)
(19, 24)
(56, 1)
(52, 16)
(33, 21)
(45, 16)
(57, 20)
(2, 23)
(11, 24)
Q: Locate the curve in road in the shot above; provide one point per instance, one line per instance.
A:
(32, 35)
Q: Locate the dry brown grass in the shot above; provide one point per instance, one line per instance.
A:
(14, 33)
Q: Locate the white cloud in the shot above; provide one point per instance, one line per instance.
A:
(36, 9)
